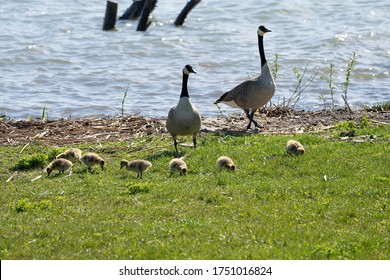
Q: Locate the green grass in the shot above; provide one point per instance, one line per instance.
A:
(274, 207)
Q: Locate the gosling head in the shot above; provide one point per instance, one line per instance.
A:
(49, 170)
(183, 171)
(262, 30)
(188, 69)
(300, 151)
(123, 163)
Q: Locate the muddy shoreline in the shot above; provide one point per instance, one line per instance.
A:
(66, 132)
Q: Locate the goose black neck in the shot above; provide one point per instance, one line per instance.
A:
(261, 50)
(184, 90)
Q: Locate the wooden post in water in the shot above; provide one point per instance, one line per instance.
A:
(110, 17)
(134, 11)
(182, 16)
(144, 22)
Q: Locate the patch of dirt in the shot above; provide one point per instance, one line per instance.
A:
(65, 132)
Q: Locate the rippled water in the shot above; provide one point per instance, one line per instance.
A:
(53, 54)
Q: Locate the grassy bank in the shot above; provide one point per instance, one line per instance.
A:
(331, 203)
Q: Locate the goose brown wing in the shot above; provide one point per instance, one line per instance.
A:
(237, 94)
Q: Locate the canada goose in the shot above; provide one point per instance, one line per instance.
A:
(137, 165)
(72, 154)
(252, 94)
(184, 118)
(295, 148)
(226, 163)
(178, 165)
(91, 159)
(59, 164)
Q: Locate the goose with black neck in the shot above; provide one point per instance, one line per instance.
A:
(184, 118)
(252, 94)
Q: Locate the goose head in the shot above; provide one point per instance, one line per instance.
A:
(262, 30)
(188, 69)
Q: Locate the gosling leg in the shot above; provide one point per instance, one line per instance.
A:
(194, 140)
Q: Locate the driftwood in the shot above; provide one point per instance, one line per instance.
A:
(144, 22)
(110, 17)
(182, 16)
(97, 129)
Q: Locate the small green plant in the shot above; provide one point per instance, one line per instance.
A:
(25, 205)
(344, 86)
(348, 74)
(44, 116)
(31, 162)
(329, 80)
(302, 84)
(365, 122)
(276, 67)
(124, 98)
(136, 188)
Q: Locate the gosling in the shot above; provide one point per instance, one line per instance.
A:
(294, 148)
(178, 165)
(92, 159)
(59, 164)
(137, 165)
(72, 154)
(225, 163)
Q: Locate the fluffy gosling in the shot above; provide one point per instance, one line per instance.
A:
(224, 162)
(137, 165)
(295, 148)
(178, 165)
(92, 159)
(59, 164)
(72, 154)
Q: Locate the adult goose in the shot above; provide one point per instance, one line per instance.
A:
(184, 118)
(255, 93)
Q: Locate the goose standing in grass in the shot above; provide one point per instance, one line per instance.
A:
(178, 165)
(184, 118)
(92, 159)
(255, 93)
(295, 148)
(59, 164)
(224, 162)
(137, 165)
(72, 154)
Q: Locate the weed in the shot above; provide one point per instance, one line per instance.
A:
(301, 86)
(44, 116)
(276, 67)
(137, 188)
(31, 162)
(329, 80)
(348, 74)
(124, 98)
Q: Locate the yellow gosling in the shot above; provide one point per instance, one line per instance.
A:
(137, 165)
(178, 165)
(72, 154)
(295, 148)
(224, 162)
(92, 159)
(59, 164)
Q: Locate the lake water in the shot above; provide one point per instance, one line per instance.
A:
(54, 54)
